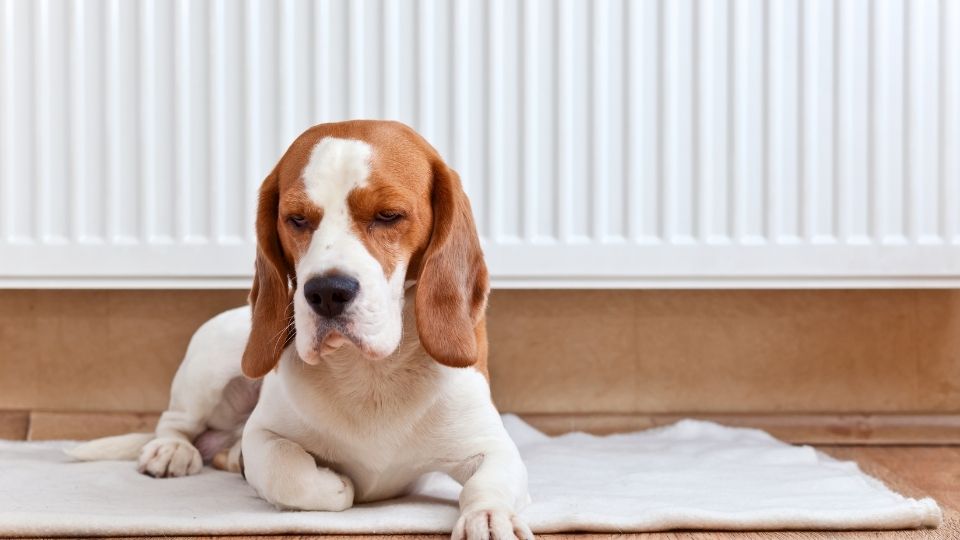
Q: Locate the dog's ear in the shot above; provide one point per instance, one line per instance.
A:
(452, 285)
(270, 299)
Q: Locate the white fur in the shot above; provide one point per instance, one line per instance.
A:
(361, 423)
(383, 424)
(125, 446)
(335, 168)
(373, 426)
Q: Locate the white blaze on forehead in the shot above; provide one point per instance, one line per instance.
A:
(336, 167)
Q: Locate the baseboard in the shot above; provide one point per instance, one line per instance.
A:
(826, 429)
(843, 429)
(49, 425)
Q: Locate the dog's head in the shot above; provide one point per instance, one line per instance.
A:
(351, 213)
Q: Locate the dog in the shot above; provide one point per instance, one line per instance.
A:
(360, 363)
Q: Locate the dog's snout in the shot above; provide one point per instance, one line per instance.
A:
(330, 295)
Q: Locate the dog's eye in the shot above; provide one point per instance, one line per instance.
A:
(388, 216)
(297, 221)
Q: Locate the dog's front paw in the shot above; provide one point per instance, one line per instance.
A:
(169, 457)
(497, 523)
(325, 490)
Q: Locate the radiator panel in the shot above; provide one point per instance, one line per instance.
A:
(610, 143)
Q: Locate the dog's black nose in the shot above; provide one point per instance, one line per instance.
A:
(330, 295)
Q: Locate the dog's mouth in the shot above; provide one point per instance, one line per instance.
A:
(333, 335)
(332, 343)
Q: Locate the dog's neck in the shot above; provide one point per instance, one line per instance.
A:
(368, 389)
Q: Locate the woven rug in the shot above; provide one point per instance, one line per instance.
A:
(689, 475)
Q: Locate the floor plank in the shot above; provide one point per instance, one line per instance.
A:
(823, 429)
(45, 426)
(828, 429)
(13, 425)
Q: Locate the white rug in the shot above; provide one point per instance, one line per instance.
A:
(691, 475)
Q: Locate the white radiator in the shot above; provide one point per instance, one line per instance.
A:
(672, 143)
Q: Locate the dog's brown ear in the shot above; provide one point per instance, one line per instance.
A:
(270, 294)
(452, 286)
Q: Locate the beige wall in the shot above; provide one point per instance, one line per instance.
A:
(551, 351)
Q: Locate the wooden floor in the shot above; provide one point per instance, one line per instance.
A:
(916, 471)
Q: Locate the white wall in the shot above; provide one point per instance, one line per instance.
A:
(704, 143)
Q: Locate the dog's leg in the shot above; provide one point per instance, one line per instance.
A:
(492, 495)
(190, 430)
(172, 453)
(199, 393)
(488, 465)
(287, 476)
(229, 459)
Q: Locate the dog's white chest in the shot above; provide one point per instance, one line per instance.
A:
(383, 441)
(382, 461)
(378, 475)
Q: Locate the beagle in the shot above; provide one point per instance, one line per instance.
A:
(364, 345)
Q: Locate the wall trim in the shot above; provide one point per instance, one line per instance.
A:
(821, 429)
(841, 429)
